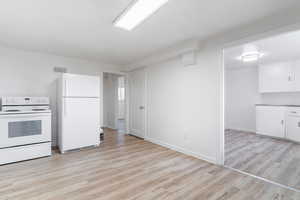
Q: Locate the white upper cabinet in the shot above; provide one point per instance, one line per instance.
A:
(275, 78)
(296, 76)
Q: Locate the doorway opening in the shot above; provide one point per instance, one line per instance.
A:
(114, 102)
(262, 109)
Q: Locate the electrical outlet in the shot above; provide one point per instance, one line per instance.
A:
(185, 135)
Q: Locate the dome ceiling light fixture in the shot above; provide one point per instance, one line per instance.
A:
(250, 54)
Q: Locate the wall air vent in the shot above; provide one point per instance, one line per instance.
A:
(60, 69)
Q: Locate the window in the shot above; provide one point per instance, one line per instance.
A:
(121, 94)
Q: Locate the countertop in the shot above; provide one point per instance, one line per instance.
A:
(277, 105)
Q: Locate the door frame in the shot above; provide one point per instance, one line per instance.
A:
(125, 75)
(259, 36)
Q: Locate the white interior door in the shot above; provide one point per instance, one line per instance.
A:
(137, 90)
(81, 85)
(81, 123)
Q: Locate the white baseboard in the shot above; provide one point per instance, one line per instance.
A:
(242, 129)
(184, 151)
(110, 127)
(122, 132)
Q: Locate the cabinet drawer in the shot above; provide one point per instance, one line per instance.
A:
(293, 111)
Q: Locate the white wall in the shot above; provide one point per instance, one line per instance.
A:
(241, 95)
(204, 115)
(183, 104)
(24, 73)
(281, 98)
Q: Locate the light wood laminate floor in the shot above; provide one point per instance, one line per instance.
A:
(274, 159)
(125, 167)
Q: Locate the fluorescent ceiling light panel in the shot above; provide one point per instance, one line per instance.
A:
(137, 12)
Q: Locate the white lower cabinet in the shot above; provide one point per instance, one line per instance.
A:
(278, 121)
(293, 124)
(270, 121)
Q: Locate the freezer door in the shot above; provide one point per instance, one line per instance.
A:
(81, 123)
(81, 86)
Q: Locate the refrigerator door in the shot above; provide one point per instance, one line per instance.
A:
(81, 86)
(81, 123)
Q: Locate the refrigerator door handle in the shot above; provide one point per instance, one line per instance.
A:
(65, 107)
(65, 90)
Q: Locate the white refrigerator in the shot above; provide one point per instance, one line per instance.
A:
(79, 111)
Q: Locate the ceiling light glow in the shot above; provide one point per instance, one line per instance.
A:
(137, 12)
(250, 53)
(251, 56)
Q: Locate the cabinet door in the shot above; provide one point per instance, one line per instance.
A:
(275, 78)
(296, 76)
(270, 121)
(293, 128)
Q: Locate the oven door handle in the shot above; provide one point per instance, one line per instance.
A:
(14, 117)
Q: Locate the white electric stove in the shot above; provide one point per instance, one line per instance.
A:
(25, 128)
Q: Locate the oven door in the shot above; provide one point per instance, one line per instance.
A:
(24, 129)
